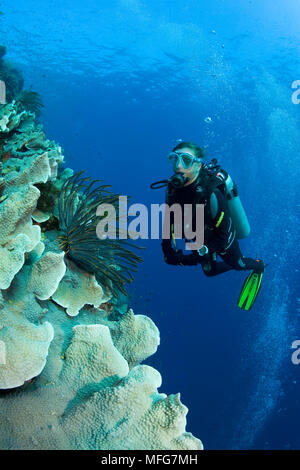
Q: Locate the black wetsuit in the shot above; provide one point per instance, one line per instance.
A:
(219, 232)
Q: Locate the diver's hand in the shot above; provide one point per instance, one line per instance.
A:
(206, 256)
(177, 258)
(174, 258)
(203, 251)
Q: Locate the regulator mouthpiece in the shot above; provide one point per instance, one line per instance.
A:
(178, 180)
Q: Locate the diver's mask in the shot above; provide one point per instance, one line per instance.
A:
(178, 180)
(185, 159)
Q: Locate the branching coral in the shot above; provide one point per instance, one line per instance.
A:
(110, 260)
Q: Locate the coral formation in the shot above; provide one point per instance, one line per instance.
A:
(157, 421)
(77, 289)
(18, 235)
(135, 336)
(46, 275)
(68, 381)
(13, 79)
(26, 348)
(11, 76)
(103, 406)
(21, 136)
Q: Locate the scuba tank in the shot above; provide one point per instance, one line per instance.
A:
(224, 182)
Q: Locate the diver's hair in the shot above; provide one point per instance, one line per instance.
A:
(198, 151)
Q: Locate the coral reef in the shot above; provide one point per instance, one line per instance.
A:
(13, 79)
(46, 275)
(70, 350)
(77, 289)
(21, 137)
(18, 235)
(11, 76)
(25, 346)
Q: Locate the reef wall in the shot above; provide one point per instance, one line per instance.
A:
(70, 354)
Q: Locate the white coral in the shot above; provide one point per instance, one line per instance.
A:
(77, 289)
(135, 336)
(125, 410)
(18, 235)
(26, 348)
(46, 275)
(33, 170)
(92, 392)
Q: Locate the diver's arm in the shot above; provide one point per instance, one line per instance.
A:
(176, 257)
(171, 254)
(223, 229)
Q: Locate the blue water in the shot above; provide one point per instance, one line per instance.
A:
(121, 81)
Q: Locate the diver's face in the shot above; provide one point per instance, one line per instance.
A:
(192, 172)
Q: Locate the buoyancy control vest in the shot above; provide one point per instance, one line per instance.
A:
(213, 177)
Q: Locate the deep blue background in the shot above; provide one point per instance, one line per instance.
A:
(121, 81)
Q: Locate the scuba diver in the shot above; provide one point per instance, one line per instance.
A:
(225, 221)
